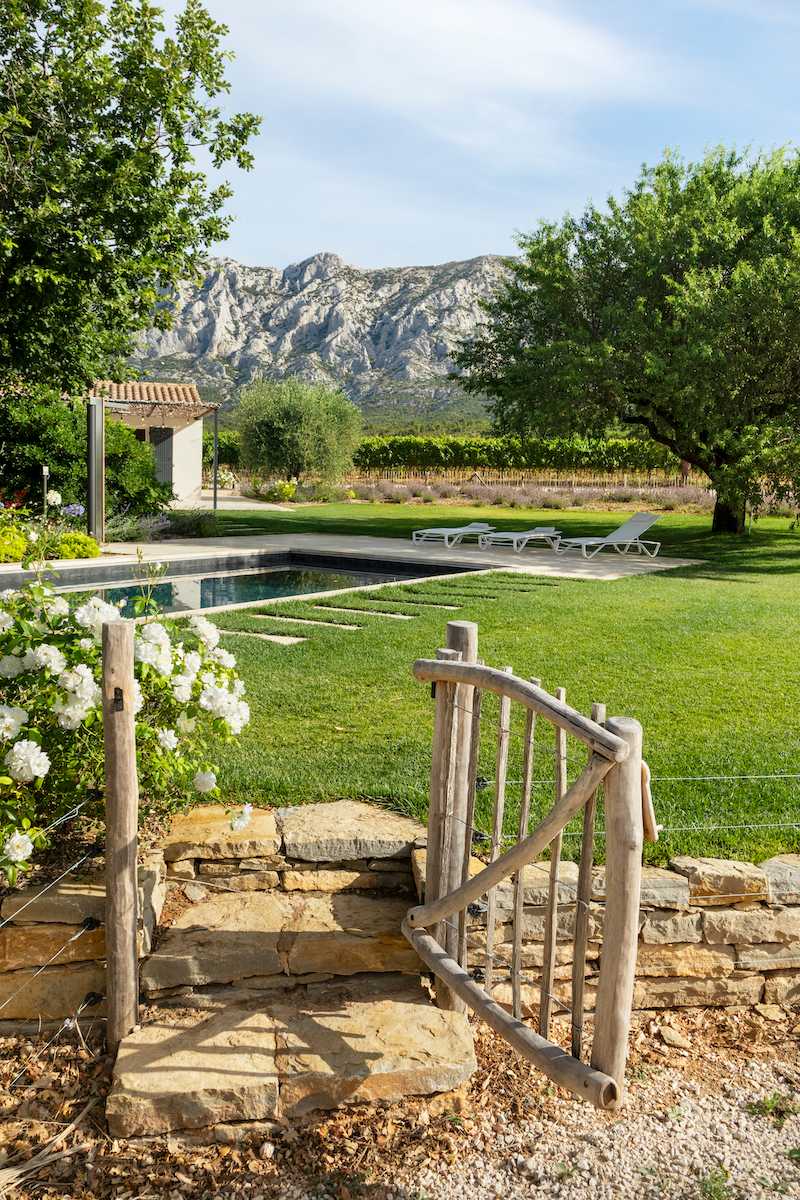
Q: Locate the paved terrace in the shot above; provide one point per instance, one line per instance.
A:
(606, 566)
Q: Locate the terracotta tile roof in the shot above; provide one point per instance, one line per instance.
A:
(159, 395)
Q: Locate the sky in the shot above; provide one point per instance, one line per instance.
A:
(410, 132)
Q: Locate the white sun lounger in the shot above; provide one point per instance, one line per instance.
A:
(624, 539)
(451, 535)
(519, 539)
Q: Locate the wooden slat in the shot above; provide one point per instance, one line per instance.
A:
(425, 915)
(472, 780)
(519, 882)
(501, 772)
(551, 919)
(601, 741)
(462, 636)
(584, 896)
(590, 1084)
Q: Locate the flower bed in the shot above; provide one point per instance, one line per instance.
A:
(25, 536)
(188, 699)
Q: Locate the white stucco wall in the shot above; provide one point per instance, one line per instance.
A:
(187, 461)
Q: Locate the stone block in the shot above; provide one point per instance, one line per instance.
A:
(662, 927)
(769, 956)
(247, 881)
(205, 832)
(660, 888)
(721, 991)
(346, 829)
(68, 903)
(181, 868)
(752, 925)
(344, 881)
(194, 1070)
(33, 945)
(342, 934)
(719, 881)
(379, 1048)
(783, 987)
(55, 993)
(783, 873)
(686, 959)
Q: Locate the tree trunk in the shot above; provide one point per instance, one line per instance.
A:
(729, 516)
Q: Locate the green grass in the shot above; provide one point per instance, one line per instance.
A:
(705, 657)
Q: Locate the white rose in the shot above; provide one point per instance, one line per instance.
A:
(95, 613)
(223, 657)
(167, 739)
(243, 819)
(18, 847)
(57, 606)
(45, 658)
(33, 537)
(11, 665)
(54, 498)
(207, 633)
(6, 621)
(155, 632)
(11, 721)
(182, 688)
(205, 781)
(9, 594)
(186, 724)
(26, 761)
(86, 643)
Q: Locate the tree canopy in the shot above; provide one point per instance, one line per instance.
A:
(675, 311)
(298, 430)
(102, 207)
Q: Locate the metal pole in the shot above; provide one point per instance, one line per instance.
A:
(216, 455)
(95, 468)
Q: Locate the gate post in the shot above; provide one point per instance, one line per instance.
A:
(122, 821)
(624, 840)
(440, 813)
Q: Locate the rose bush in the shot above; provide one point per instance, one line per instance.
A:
(188, 699)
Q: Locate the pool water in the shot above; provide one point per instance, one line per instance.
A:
(181, 594)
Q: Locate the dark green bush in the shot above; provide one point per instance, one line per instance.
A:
(229, 448)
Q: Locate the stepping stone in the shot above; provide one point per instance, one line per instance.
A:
(346, 1047)
(367, 612)
(194, 1071)
(306, 621)
(229, 938)
(280, 639)
(205, 832)
(347, 829)
(345, 881)
(271, 1058)
(343, 934)
(224, 938)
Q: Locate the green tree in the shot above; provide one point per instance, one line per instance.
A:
(298, 430)
(675, 310)
(37, 426)
(102, 207)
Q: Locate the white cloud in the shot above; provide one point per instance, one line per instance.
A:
(499, 79)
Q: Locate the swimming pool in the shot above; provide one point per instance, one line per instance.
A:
(185, 593)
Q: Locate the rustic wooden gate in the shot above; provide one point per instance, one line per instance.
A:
(438, 928)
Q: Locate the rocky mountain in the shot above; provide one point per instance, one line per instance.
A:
(385, 336)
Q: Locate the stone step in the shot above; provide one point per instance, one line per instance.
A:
(233, 937)
(341, 1043)
(337, 832)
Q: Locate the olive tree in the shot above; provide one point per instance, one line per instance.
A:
(298, 430)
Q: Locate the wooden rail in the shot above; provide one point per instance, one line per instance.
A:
(614, 761)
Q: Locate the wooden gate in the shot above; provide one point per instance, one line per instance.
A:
(437, 929)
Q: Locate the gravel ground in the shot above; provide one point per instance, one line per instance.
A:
(712, 1114)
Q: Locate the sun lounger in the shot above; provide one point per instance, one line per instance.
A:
(624, 539)
(519, 539)
(451, 535)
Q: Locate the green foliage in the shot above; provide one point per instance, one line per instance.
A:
(776, 1105)
(76, 544)
(12, 544)
(279, 491)
(192, 522)
(298, 430)
(229, 453)
(102, 209)
(714, 1185)
(673, 310)
(567, 453)
(37, 426)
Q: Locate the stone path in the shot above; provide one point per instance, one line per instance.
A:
(291, 988)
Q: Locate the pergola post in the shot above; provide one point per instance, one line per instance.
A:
(216, 455)
(95, 468)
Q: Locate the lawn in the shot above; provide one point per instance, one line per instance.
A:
(705, 657)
